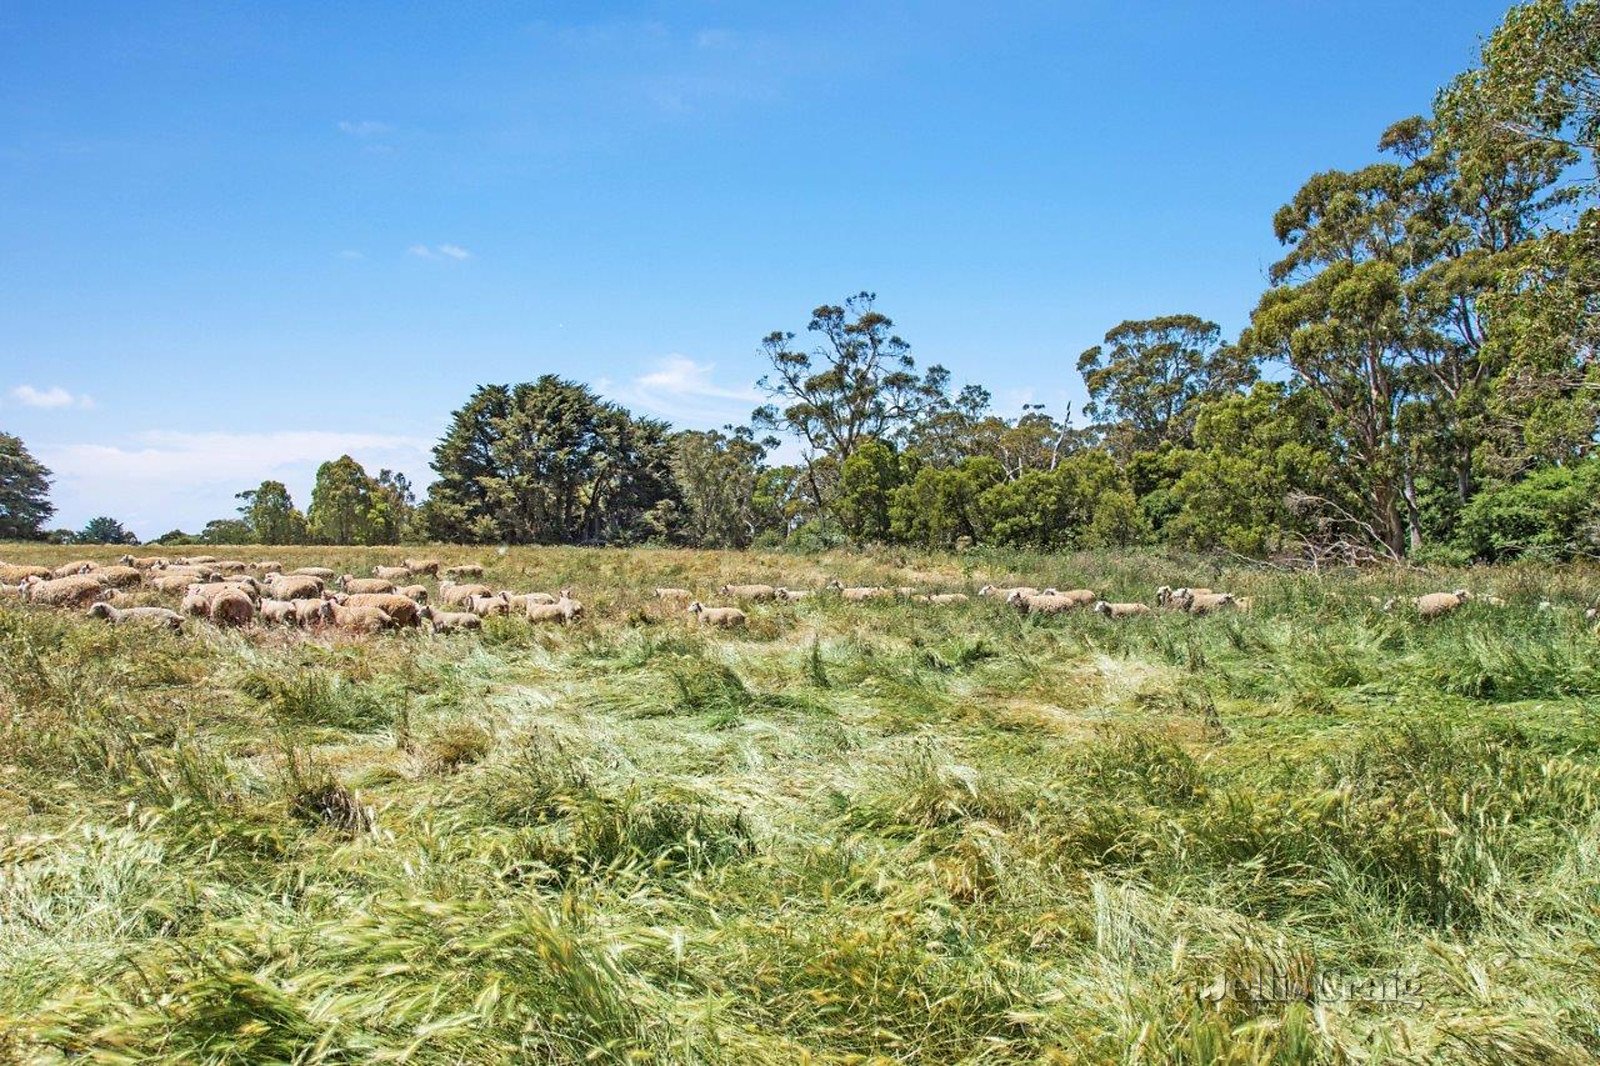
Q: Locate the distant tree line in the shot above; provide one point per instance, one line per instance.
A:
(1419, 379)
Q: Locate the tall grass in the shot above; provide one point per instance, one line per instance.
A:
(852, 834)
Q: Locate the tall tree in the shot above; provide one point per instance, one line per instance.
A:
(271, 514)
(24, 492)
(858, 384)
(341, 503)
(1145, 380)
(718, 477)
(545, 462)
(104, 530)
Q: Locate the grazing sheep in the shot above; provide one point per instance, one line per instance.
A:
(421, 566)
(564, 610)
(231, 566)
(1194, 602)
(1005, 593)
(416, 593)
(1172, 599)
(788, 595)
(267, 567)
(294, 586)
(171, 582)
(392, 573)
(402, 609)
(677, 594)
(497, 603)
(452, 621)
(197, 560)
(523, 601)
(322, 573)
(140, 615)
(143, 562)
(279, 612)
(197, 597)
(1052, 602)
(749, 592)
(74, 568)
(451, 594)
(1438, 604)
(464, 570)
(351, 583)
(862, 593)
(313, 612)
(119, 576)
(946, 598)
(232, 608)
(245, 584)
(12, 574)
(360, 619)
(726, 617)
(1120, 610)
(79, 590)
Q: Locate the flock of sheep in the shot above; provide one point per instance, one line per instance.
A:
(235, 593)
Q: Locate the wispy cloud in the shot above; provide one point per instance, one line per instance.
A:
(688, 393)
(351, 253)
(365, 128)
(439, 251)
(158, 480)
(53, 397)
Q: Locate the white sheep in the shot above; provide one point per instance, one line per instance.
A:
(392, 573)
(294, 586)
(463, 570)
(1438, 604)
(279, 612)
(452, 621)
(725, 617)
(231, 608)
(320, 572)
(674, 594)
(451, 594)
(402, 609)
(1120, 610)
(360, 619)
(137, 615)
(313, 612)
(78, 590)
(564, 610)
(422, 566)
(749, 592)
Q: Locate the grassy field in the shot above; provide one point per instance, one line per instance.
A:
(885, 832)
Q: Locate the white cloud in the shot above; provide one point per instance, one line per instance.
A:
(53, 397)
(439, 251)
(686, 392)
(365, 128)
(164, 479)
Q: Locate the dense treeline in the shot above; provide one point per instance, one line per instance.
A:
(1419, 378)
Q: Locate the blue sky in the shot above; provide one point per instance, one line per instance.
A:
(238, 239)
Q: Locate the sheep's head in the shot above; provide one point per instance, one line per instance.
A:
(695, 608)
(1462, 594)
(100, 610)
(1101, 607)
(835, 584)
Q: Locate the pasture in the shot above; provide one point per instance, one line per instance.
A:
(846, 833)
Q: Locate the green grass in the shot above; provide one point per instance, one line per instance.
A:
(876, 833)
